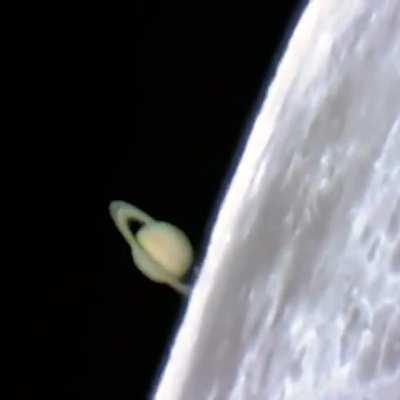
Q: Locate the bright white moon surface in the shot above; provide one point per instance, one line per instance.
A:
(298, 296)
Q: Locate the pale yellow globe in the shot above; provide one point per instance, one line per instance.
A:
(161, 251)
(168, 246)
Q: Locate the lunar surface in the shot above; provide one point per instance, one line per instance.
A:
(299, 292)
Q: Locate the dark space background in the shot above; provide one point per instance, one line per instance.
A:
(149, 104)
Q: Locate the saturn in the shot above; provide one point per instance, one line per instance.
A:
(160, 250)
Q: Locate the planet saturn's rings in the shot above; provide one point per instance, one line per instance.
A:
(160, 251)
(123, 213)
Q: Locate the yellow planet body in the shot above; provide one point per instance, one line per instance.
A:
(161, 251)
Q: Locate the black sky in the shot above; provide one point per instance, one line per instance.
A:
(149, 104)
